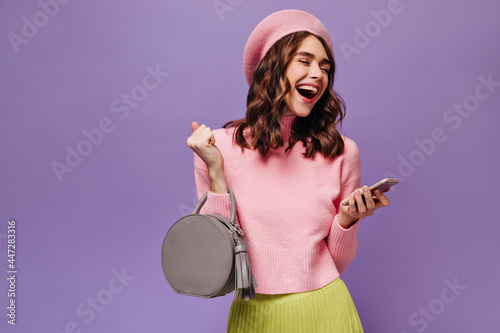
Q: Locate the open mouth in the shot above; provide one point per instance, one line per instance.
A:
(308, 92)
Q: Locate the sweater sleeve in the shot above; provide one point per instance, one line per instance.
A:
(216, 203)
(342, 243)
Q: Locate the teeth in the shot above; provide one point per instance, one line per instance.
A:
(305, 87)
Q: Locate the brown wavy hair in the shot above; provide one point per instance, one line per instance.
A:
(266, 104)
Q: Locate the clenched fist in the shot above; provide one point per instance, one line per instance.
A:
(202, 142)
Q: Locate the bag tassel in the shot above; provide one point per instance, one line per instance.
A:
(245, 281)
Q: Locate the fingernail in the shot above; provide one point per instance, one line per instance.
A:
(377, 191)
(366, 188)
(357, 192)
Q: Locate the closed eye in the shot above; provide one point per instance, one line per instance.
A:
(307, 62)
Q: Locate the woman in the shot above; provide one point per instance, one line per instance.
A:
(300, 239)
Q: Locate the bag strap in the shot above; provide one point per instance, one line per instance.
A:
(233, 206)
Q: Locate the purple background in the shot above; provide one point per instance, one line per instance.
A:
(113, 210)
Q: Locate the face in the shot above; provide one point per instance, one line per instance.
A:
(308, 76)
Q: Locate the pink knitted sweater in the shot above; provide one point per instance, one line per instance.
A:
(287, 206)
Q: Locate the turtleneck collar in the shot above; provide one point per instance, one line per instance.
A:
(287, 126)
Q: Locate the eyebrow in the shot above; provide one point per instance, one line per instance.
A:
(310, 55)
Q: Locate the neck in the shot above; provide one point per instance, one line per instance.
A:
(288, 113)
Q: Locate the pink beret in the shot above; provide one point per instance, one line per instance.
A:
(273, 28)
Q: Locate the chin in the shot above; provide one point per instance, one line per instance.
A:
(302, 112)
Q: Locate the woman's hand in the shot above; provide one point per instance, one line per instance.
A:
(202, 142)
(348, 215)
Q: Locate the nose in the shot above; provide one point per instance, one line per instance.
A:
(315, 72)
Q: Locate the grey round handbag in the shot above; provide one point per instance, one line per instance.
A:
(205, 255)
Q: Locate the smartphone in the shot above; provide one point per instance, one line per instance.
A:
(382, 185)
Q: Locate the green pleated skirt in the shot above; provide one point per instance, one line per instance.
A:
(328, 309)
